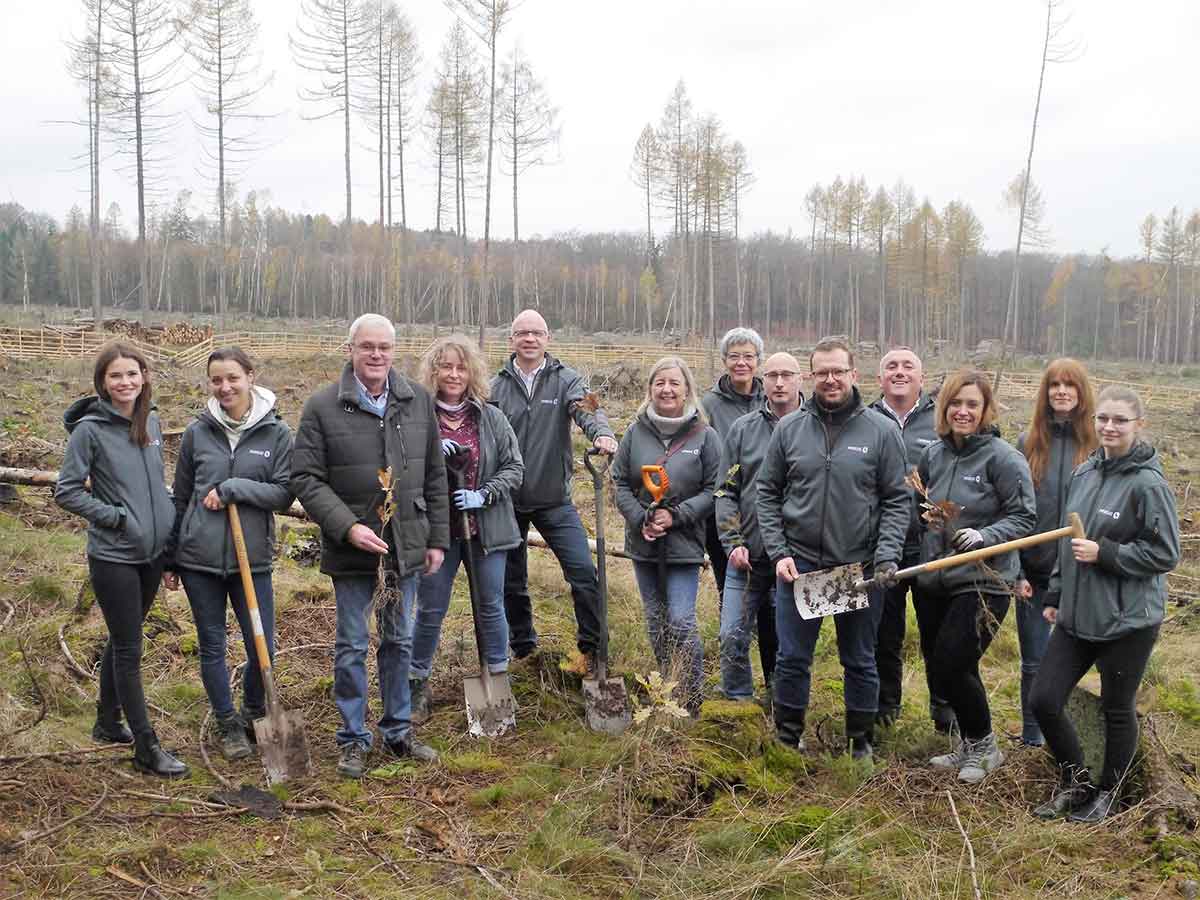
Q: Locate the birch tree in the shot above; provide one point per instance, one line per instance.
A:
(646, 171)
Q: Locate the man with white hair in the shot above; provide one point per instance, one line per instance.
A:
(541, 398)
(373, 420)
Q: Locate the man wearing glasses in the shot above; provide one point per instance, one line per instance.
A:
(738, 391)
(750, 579)
(830, 492)
(541, 398)
(372, 419)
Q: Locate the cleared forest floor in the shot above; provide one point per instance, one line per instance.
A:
(709, 810)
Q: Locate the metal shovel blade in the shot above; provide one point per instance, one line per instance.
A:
(491, 707)
(282, 745)
(606, 704)
(827, 592)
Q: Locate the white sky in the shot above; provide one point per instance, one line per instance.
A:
(937, 92)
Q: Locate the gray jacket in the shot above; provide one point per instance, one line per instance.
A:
(542, 423)
(1128, 508)
(255, 476)
(500, 472)
(724, 406)
(990, 482)
(1037, 563)
(737, 492)
(831, 487)
(129, 511)
(918, 432)
(692, 471)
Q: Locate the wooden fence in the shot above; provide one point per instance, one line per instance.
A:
(53, 343)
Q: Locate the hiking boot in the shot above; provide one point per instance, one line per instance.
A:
(109, 729)
(860, 732)
(886, 717)
(233, 741)
(1073, 792)
(860, 748)
(353, 761)
(952, 760)
(411, 748)
(523, 651)
(422, 705)
(152, 759)
(789, 726)
(982, 756)
(1100, 808)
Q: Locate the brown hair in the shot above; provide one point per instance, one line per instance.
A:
(231, 354)
(109, 353)
(828, 345)
(1037, 439)
(954, 383)
(468, 351)
(1119, 393)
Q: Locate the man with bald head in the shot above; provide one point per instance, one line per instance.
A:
(750, 576)
(901, 383)
(541, 398)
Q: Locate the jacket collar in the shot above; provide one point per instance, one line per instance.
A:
(724, 387)
(842, 414)
(973, 442)
(510, 367)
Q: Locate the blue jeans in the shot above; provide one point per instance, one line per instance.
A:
(671, 625)
(1033, 634)
(798, 639)
(206, 595)
(563, 531)
(394, 625)
(746, 593)
(433, 599)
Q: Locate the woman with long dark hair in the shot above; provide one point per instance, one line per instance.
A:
(1059, 438)
(1106, 600)
(116, 441)
(237, 450)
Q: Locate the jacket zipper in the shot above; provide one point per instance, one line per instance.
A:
(150, 485)
(949, 491)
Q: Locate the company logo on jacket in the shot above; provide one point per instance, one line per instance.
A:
(974, 479)
(265, 454)
(864, 449)
(1111, 513)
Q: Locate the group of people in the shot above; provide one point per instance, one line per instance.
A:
(766, 483)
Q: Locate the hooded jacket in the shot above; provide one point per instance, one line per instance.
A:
(128, 510)
(1037, 563)
(990, 482)
(737, 492)
(255, 475)
(831, 487)
(1128, 508)
(918, 432)
(542, 424)
(500, 472)
(724, 406)
(341, 447)
(692, 472)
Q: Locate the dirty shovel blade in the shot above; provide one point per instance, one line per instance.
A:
(283, 746)
(606, 702)
(491, 707)
(827, 592)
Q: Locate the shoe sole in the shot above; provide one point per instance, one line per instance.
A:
(146, 770)
(353, 774)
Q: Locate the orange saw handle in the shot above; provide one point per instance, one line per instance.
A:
(656, 481)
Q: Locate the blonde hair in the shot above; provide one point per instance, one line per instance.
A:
(689, 381)
(478, 389)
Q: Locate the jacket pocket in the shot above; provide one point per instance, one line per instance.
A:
(421, 520)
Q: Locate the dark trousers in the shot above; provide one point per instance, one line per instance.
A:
(716, 556)
(1121, 663)
(563, 531)
(207, 595)
(125, 594)
(889, 647)
(956, 630)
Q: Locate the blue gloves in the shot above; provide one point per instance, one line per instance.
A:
(451, 448)
(464, 500)
(967, 539)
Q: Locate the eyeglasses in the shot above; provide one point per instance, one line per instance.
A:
(1115, 421)
(781, 376)
(530, 333)
(372, 349)
(741, 357)
(448, 367)
(826, 374)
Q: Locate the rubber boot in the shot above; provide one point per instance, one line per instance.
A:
(860, 733)
(789, 726)
(1031, 734)
(109, 729)
(152, 759)
(1073, 791)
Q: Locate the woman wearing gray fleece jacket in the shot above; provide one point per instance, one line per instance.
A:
(239, 451)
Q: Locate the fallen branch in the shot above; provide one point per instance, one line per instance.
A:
(970, 848)
(136, 882)
(225, 782)
(57, 828)
(26, 757)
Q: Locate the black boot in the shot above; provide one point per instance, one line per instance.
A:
(234, 743)
(1099, 809)
(152, 759)
(860, 733)
(789, 726)
(109, 729)
(1073, 791)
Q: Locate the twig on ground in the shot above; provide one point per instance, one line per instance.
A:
(59, 827)
(136, 882)
(317, 806)
(82, 751)
(225, 782)
(970, 848)
(66, 651)
(37, 689)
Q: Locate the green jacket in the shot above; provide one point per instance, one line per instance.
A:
(340, 449)
(1128, 508)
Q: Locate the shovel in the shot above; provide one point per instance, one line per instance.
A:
(280, 734)
(656, 481)
(491, 707)
(606, 700)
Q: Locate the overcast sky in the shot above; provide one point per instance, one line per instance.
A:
(937, 92)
